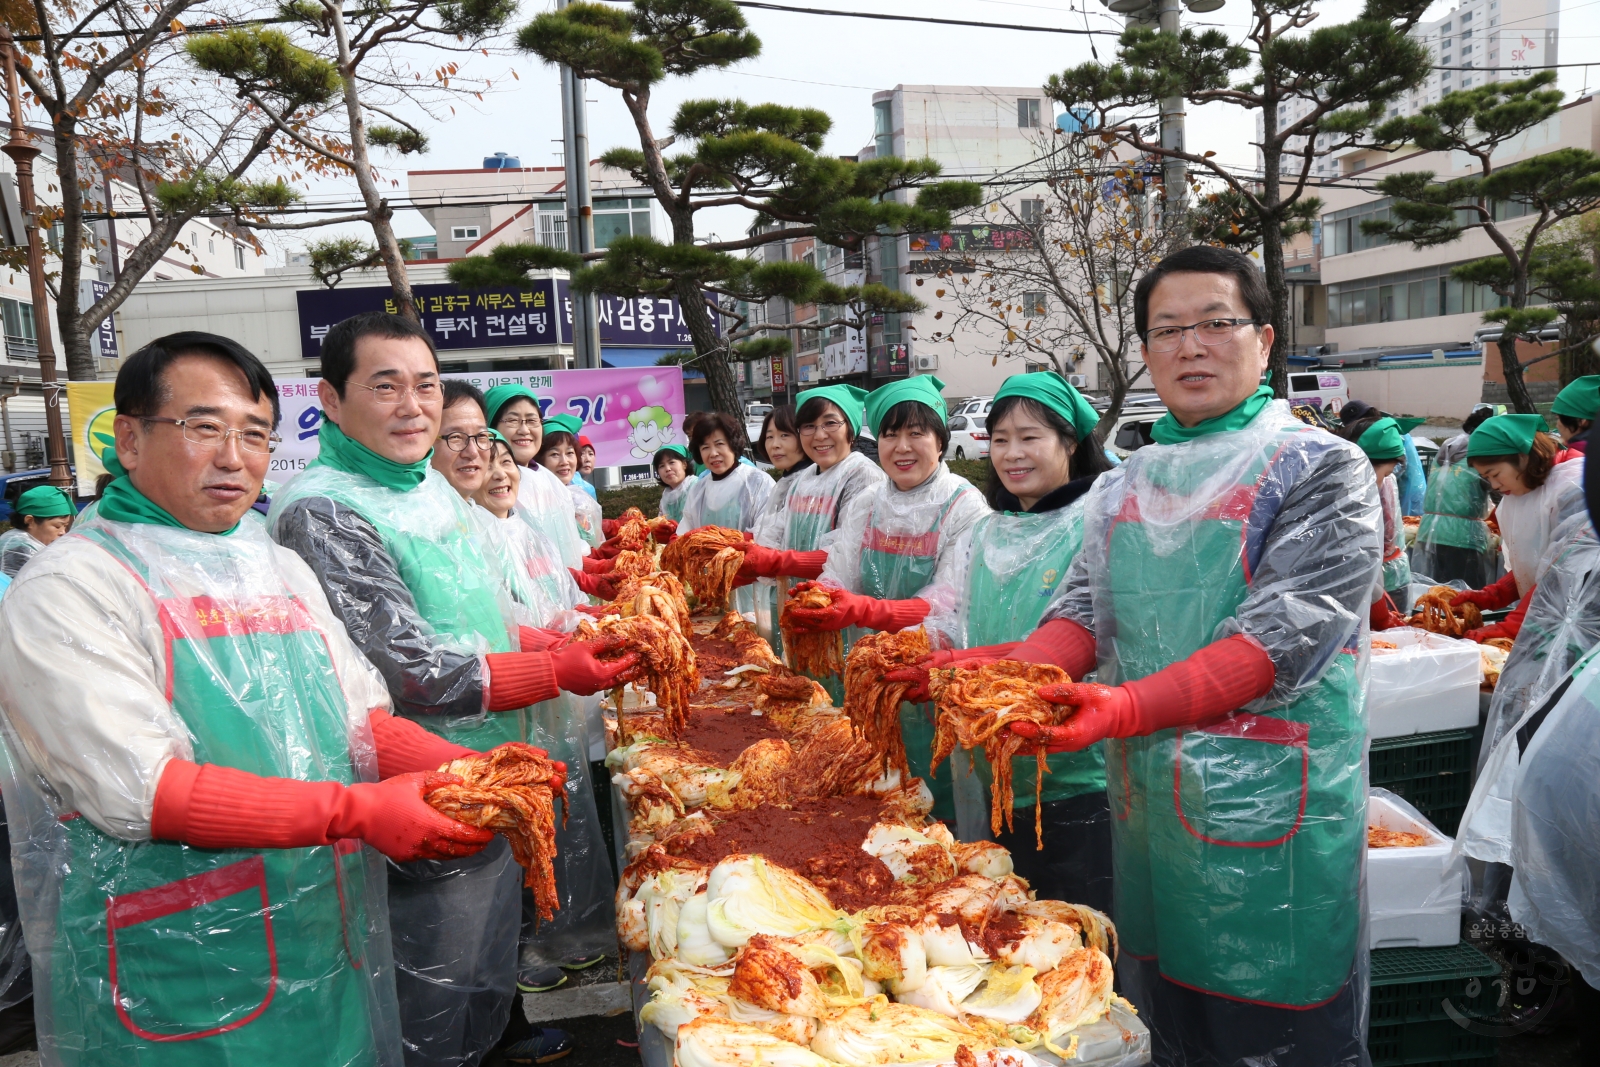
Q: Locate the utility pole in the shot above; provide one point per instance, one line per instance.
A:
(1175, 172)
(580, 211)
(23, 152)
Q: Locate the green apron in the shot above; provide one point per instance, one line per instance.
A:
(1238, 846)
(168, 954)
(673, 500)
(1453, 509)
(428, 534)
(898, 567)
(1006, 607)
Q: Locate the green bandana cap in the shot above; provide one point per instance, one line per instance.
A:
(1381, 441)
(1408, 424)
(496, 435)
(671, 450)
(501, 395)
(44, 502)
(346, 454)
(1579, 400)
(848, 398)
(1057, 394)
(924, 389)
(1505, 435)
(570, 423)
(1169, 431)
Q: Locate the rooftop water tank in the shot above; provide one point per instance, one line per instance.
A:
(501, 161)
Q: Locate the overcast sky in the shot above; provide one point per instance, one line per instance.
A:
(836, 64)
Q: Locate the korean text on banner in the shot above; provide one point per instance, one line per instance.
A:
(92, 408)
(628, 413)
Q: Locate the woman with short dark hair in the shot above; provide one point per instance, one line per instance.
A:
(39, 516)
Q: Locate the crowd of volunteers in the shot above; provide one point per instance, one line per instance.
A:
(221, 719)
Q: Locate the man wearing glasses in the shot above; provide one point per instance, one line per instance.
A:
(198, 751)
(393, 546)
(1221, 593)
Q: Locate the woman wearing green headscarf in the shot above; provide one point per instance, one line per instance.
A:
(544, 501)
(671, 467)
(1540, 486)
(1378, 436)
(1044, 458)
(1452, 542)
(39, 516)
(891, 541)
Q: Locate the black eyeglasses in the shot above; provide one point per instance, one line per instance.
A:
(457, 442)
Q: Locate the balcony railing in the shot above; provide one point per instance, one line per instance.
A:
(22, 349)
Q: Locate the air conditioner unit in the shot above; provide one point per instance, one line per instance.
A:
(1078, 381)
(927, 362)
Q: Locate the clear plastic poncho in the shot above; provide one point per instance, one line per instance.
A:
(815, 502)
(769, 531)
(546, 505)
(545, 595)
(673, 500)
(1528, 522)
(1562, 626)
(735, 500)
(586, 513)
(131, 644)
(1453, 538)
(1240, 847)
(1555, 852)
(17, 547)
(1396, 564)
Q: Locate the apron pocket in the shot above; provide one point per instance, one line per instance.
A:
(1243, 781)
(193, 958)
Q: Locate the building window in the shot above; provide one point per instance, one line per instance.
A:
(238, 256)
(464, 233)
(1028, 113)
(21, 339)
(1341, 230)
(1034, 305)
(1466, 17)
(1031, 211)
(1414, 294)
(211, 246)
(883, 128)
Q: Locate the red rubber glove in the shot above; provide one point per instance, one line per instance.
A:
(1061, 642)
(1490, 597)
(763, 562)
(854, 609)
(403, 746)
(664, 530)
(212, 806)
(606, 549)
(1207, 686)
(580, 670)
(594, 584)
(596, 565)
(1382, 616)
(1510, 626)
(609, 528)
(519, 680)
(534, 639)
(946, 658)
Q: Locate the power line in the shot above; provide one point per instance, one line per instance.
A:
(759, 4)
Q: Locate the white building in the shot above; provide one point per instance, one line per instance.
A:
(1476, 42)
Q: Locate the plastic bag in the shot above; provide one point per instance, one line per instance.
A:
(130, 644)
(1240, 848)
(1414, 894)
(544, 503)
(586, 510)
(1555, 851)
(1562, 625)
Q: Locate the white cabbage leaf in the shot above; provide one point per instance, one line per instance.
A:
(1008, 995)
(751, 896)
(883, 1032)
(712, 1042)
(945, 988)
(695, 943)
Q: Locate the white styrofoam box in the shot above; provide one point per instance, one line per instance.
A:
(1413, 894)
(1429, 683)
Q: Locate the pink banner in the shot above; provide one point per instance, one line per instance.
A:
(627, 412)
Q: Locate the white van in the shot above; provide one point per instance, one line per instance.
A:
(1327, 390)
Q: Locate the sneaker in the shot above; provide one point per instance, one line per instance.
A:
(546, 1044)
(539, 979)
(580, 963)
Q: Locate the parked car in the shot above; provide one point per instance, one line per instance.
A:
(1131, 431)
(974, 405)
(15, 483)
(1327, 390)
(969, 437)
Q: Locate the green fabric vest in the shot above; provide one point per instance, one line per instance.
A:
(1238, 847)
(458, 591)
(897, 567)
(1006, 607)
(1453, 509)
(173, 955)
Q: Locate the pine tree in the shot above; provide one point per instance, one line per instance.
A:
(1549, 187)
(765, 157)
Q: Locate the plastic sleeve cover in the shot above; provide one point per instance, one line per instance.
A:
(1313, 583)
(735, 501)
(947, 594)
(366, 592)
(770, 523)
(544, 503)
(82, 681)
(17, 547)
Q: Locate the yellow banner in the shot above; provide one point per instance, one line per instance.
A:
(92, 409)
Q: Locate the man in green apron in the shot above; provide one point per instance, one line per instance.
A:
(1225, 573)
(196, 752)
(391, 542)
